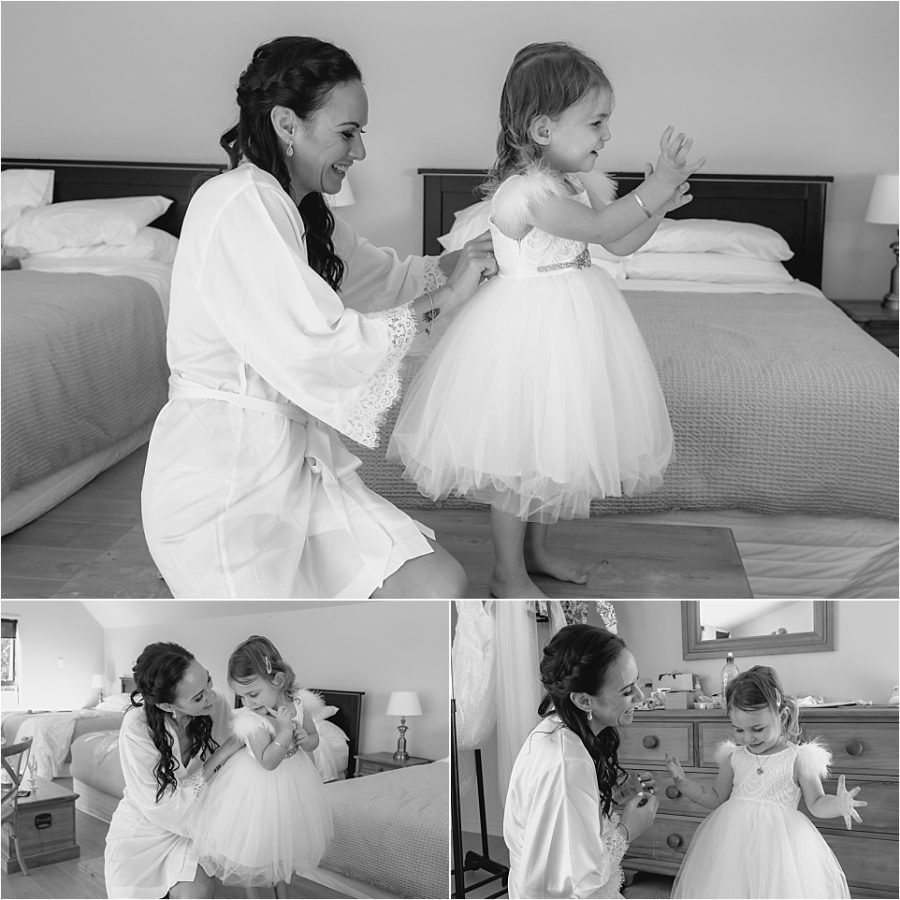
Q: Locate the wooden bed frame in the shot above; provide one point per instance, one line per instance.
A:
(794, 206)
(348, 718)
(94, 180)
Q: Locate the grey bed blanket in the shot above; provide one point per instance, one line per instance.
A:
(84, 364)
(779, 404)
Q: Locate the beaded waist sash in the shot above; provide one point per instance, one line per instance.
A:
(582, 261)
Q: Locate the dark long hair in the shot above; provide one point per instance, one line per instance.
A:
(298, 73)
(760, 688)
(157, 673)
(576, 659)
(258, 657)
(543, 80)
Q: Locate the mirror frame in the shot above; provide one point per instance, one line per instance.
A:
(821, 638)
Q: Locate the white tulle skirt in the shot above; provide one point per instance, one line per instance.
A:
(256, 827)
(747, 848)
(540, 398)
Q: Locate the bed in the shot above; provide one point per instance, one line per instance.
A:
(784, 410)
(84, 313)
(97, 772)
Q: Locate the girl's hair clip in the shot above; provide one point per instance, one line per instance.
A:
(268, 665)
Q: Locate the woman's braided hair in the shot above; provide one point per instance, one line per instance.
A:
(157, 674)
(298, 73)
(576, 660)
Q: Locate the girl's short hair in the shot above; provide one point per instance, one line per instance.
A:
(258, 657)
(760, 688)
(576, 660)
(543, 80)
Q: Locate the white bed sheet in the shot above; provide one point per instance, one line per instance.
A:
(707, 287)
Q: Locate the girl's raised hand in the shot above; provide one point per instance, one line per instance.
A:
(674, 768)
(848, 803)
(673, 166)
(680, 197)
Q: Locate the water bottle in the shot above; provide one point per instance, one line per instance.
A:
(729, 673)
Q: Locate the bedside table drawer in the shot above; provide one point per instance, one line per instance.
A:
(650, 742)
(367, 767)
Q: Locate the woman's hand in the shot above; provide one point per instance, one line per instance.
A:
(475, 263)
(672, 167)
(638, 813)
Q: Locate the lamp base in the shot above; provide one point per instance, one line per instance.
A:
(890, 299)
(401, 755)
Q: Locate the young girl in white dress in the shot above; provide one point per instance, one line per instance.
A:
(267, 816)
(542, 396)
(756, 843)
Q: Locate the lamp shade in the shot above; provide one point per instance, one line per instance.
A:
(404, 703)
(96, 681)
(883, 203)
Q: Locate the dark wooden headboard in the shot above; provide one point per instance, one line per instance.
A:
(94, 180)
(794, 206)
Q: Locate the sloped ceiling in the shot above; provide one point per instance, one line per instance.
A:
(127, 613)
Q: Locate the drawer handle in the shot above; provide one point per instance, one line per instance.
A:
(672, 792)
(854, 747)
(650, 741)
(675, 841)
(43, 820)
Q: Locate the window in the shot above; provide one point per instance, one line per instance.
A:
(8, 646)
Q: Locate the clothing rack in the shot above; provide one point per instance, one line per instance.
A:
(470, 861)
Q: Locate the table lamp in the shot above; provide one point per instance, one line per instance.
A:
(97, 682)
(882, 210)
(403, 704)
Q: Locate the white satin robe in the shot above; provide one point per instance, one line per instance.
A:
(559, 844)
(248, 490)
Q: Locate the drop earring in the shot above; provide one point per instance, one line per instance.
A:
(290, 147)
(590, 715)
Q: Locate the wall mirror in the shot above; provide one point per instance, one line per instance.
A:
(712, 628)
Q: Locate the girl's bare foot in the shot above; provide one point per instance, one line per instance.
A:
(541, 561)
(514, 587)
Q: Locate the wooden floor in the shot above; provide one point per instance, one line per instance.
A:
(83, 878)
(92, 546)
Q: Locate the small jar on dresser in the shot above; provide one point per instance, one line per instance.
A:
(863, 744)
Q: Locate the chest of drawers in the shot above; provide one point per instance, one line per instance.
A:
(863, 743)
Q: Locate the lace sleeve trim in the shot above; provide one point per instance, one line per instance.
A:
(383, 388)
(196, 784)
(433, 276)
(616, 846)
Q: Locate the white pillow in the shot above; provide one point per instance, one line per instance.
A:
(330, 732)
(467, 224)
(81, 223)
(149, 243)
(326, 712)
(22, 189)
(721, 268)
(115, 702)
(718, 236)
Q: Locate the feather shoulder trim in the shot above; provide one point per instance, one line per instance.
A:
(813, 759)
(308, 700)
(245, 722)
(724, 751)
(606, 188)
(512, 201)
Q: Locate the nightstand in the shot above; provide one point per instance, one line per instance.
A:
(872, 317)
(372, 763)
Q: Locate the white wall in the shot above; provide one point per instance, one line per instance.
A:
(863, 666)
(61, 649)
(806, 88)
(371, 646)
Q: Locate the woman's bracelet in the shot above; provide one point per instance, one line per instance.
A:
(276, 741)
(624, 827)
(429, 317)
(640, 203)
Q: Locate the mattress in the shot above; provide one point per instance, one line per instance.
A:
(84, 371)
(391, 831)
(780, 404)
